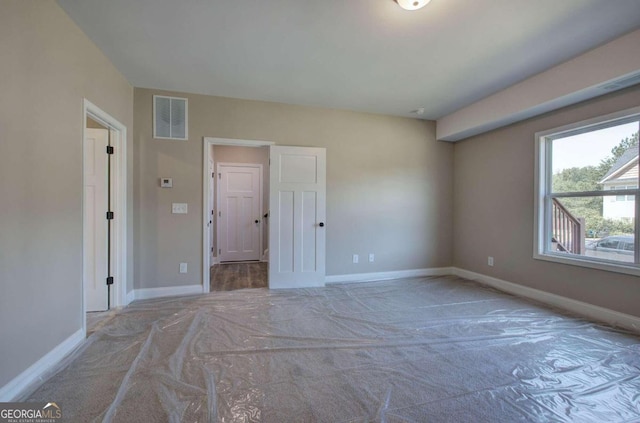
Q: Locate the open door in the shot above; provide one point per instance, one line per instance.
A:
(297, 217)
(96, 236)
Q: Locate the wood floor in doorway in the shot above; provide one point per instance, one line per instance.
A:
(231, 276)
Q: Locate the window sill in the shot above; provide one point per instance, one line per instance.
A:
(580, 262)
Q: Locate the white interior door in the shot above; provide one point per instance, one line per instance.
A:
(94, 219)
(297, 217)
(239, 211)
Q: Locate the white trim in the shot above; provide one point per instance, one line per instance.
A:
(590, 311)
(382, 276)
(237, 143)
(12, 390)
(207, 144)
(167, 291)
(131, 296)
(216, 260)
(119, 203)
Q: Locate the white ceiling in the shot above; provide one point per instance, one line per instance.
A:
(363, 55)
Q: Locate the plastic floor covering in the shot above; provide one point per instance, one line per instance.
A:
(414, 350)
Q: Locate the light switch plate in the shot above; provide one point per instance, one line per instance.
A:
(179, 208)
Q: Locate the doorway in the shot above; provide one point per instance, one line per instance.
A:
(296, 212)
(236, 198)
(104, 212)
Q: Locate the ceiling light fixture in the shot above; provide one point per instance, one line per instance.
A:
(412, 4)
(419, 111)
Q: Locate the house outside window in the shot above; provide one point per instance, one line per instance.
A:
(586, 190)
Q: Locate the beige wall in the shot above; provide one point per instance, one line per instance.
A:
(389, 184)
(493, 209)
(48, 65)
(230, 154)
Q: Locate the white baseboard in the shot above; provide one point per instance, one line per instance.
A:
(382, 276)
(169, 291)
(613, 318)
(214, 261)
(12, 390)
(131, 295)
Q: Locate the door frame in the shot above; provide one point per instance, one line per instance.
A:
(118, 203)
(260, 199)
(207, 147)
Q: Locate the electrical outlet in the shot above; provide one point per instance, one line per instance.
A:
(183, 267)
(371, 258)
(355, 259)
(490, 261)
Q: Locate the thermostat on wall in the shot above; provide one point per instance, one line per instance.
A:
(166, 182)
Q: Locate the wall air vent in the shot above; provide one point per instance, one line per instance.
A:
(170, 118)
(622, 82)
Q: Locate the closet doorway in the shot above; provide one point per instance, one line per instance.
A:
(238, 216)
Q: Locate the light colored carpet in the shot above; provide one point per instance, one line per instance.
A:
(416, 350)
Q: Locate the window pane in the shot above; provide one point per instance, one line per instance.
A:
(584, 226)
(596, 160)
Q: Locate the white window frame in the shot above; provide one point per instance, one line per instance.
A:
(542, 197)
(186, 117)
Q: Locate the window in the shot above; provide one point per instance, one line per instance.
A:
(586, 193)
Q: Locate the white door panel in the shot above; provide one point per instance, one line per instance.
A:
(297, 203)
(240, 213)
(309, 233)
(95, 223)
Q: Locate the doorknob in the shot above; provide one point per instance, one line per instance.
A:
(257, 221)
(321, 224)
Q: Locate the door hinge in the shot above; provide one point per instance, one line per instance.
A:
(219, 214)
(109, 215)
(220, 251)
(219, 175)
(110, 280)
(213, 175)
(109, 149)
